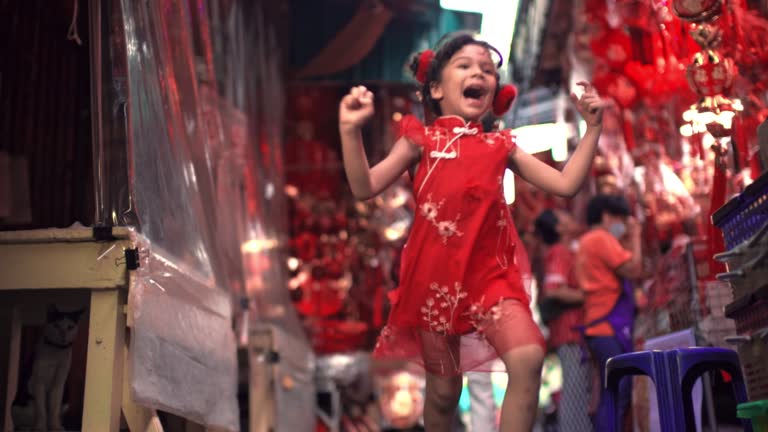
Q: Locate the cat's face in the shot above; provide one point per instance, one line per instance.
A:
(61, 327)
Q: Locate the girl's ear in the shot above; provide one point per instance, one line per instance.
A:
(435, 91)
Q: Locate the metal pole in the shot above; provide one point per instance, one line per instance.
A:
(706, 382)
(710, 401)
(94, 37)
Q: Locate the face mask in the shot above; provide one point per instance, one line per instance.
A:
(617, 229)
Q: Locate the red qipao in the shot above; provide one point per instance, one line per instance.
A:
(462, 300)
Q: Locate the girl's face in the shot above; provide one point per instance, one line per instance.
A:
(467, 84)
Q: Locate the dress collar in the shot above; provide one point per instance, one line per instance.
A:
(451, 122)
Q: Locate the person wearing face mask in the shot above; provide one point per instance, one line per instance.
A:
(603, 267)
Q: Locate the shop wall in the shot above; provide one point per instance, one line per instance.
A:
(45, 150)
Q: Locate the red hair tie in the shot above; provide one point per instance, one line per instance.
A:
(503, 99)
(425, 59)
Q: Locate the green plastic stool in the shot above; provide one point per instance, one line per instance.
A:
(757, 413)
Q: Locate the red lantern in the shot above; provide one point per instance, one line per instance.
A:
(696, 10)
(710, 74)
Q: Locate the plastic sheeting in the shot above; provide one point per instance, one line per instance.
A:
(247, 56)
(182, 345)
(198, 172)
(165, 164)
(188, 149)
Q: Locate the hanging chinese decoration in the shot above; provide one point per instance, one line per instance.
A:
(696, 10)
(624, 92)
(711, 76)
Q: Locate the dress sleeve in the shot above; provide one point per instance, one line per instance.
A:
(412, 129)
(509, 139)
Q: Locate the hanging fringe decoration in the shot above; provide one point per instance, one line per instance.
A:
(72, 32)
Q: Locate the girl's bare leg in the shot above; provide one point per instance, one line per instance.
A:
(518, 411)
(440, 401)
(444, 379)
(520, 345)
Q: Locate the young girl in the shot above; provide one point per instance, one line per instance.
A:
(461, 301)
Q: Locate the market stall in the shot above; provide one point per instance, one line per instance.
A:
(687, 83)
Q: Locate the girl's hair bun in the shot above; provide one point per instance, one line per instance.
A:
(420, 64)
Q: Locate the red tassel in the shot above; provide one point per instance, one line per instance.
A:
(628, 127)
(717, 200)
(503, 99)
(740, 139)
(425, 59)
(755, 166)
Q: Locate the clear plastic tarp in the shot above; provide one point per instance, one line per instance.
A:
(188, 150)
(248, 64)
(182, 345)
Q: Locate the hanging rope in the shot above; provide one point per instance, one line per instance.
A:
(72, 33)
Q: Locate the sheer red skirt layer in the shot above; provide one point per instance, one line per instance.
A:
(507, 326)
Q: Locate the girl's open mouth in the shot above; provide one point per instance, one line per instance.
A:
(475, 92)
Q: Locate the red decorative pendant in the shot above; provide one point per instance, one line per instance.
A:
(696, 10)
(710, 74)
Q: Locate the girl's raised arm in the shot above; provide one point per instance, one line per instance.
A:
(568, 181)
(354, 110)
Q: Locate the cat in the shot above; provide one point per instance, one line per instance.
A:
(39, 404)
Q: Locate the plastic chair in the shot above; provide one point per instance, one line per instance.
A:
(652, 364)
(686, 365)
(674, 372)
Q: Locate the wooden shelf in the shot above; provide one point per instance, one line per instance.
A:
(70, 261)
(62, 259)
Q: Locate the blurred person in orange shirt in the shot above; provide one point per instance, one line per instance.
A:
(603, 269)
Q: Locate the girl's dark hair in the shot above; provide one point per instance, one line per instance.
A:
(545, 226)
(449, 45)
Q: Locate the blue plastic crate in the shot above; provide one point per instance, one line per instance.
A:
(742, 216)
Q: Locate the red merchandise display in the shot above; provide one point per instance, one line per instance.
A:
(342, 252)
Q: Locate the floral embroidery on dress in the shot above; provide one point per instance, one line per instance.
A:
(446, 228)
(481, 319)
(436, 134)
(430, 209)
(503, 240)
(440, 310)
